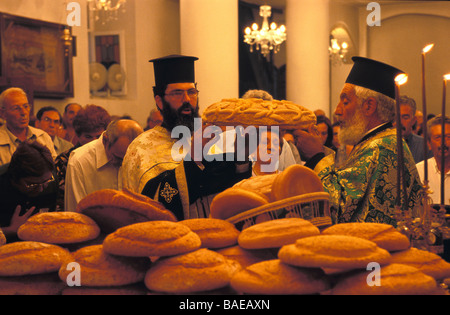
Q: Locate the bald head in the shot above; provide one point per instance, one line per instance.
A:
(117, 137)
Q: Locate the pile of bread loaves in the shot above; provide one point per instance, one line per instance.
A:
(69, 253)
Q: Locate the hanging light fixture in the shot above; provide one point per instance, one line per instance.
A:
(338, 52)
(267, 38)
(106, 10)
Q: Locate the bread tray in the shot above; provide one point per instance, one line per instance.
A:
(314, 207)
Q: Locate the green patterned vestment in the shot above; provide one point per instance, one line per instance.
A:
(364, 188)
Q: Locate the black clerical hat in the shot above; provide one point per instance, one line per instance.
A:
(174, 69)
(373, 75)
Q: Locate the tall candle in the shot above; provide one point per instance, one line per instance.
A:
(446, 77)
(424, 110)
(401, 188)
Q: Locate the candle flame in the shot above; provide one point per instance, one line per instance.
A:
(427, 48)
(401, 79)
(447, 77)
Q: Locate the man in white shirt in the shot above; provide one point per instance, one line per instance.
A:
(96, 165)
(434, 134)
(15, 110)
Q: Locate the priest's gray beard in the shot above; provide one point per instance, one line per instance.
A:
(353, 130)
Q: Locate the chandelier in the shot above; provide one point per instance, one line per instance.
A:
(106, 10)
(267, 38)
(338, 52)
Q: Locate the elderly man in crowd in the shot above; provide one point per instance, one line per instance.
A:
(408, 119)
(364, 188)
(67, 132)
(96, 165)
(435, 167)
(15, 109)
(49, 119)
(186, 187)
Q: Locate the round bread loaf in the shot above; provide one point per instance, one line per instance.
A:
(258, 112)
(395, 279)
(384, 235)
(41, 284)
(2, 238)
(274, 277)
(214, 233)
(261, 184)
(201, 270)
(59, 228)
(112, 209)
(98, 268)
(247, 257)
(153, 238)
(276, 233)
(333, 251)
(233, 201)
(427, 262)
(31, 258)
(296, 180)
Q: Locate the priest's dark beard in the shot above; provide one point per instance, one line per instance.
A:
(173, 118)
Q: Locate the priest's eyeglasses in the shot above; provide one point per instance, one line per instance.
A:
(40, 185)
(179, 94)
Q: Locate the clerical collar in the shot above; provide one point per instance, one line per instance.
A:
(375, 131)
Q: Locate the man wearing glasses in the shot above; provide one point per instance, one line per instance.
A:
(15, 109)
(49, 119)
(27, 187)
(184, 187)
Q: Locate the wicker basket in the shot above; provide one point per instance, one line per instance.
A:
(314, 207)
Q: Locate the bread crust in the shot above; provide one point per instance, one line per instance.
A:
(31, 258)
(276, 233)
(214, 233)
(233, 201)
(258, 112)
(384, 235)
(427, 262)
(59, 228)
(153, 238)
(296, 180)
(201, 270)
(98, 268)
(275, 277)
(395, 279)
(112, 209)
(2, 238)
(333, 251)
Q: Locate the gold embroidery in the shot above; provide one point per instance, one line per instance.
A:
(168, 193)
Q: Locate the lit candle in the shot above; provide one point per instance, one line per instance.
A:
(424, 110)
(399, 80)
(446, 77)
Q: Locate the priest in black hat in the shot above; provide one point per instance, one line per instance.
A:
(186, 187)
(364, 188)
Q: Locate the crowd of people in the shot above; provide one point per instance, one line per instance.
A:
(53, 164)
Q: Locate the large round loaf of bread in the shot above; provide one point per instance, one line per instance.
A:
(427, 262)
(59, 228)
(296, 180)
(153, 238)
(261, 184)
(214, 233)
(30, 258)
(274, 277)
(395, 279)
(258, 112)
(276, 233)
(384, 235)
(112, 209)
(40, 284)
(333, 251)
(201, 270)
(233, 201)
(98, 268)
